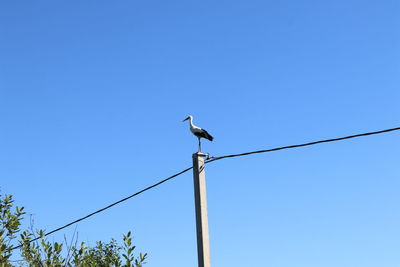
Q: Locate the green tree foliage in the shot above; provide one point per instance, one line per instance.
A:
(43, 253)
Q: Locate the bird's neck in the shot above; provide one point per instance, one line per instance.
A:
(191, 123)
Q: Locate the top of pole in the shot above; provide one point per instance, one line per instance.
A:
(199, 154)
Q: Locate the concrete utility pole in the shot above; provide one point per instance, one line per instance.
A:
(200, 197)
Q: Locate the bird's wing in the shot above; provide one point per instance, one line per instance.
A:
(207, 135)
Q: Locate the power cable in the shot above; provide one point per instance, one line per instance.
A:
(211, 159)
(109, 206)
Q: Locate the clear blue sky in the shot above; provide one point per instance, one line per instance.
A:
(92, 94)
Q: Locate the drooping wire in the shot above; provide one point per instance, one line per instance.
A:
(211, 159)
(109, 206)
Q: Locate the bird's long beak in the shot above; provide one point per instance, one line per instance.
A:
(186, 119)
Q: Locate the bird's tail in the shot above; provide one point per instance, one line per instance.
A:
(208, 136)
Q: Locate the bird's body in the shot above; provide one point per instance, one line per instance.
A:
(198, 132)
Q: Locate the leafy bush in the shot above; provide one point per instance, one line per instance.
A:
(32, 249)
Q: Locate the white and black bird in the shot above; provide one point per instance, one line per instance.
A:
(198, 132)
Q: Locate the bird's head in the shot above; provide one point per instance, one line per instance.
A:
(188, 118)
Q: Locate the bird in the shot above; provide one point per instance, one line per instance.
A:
(198, 132)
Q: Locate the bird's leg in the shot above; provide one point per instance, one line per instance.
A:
(199, 145)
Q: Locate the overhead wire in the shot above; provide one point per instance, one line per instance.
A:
(209, 160)
(109, 206)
